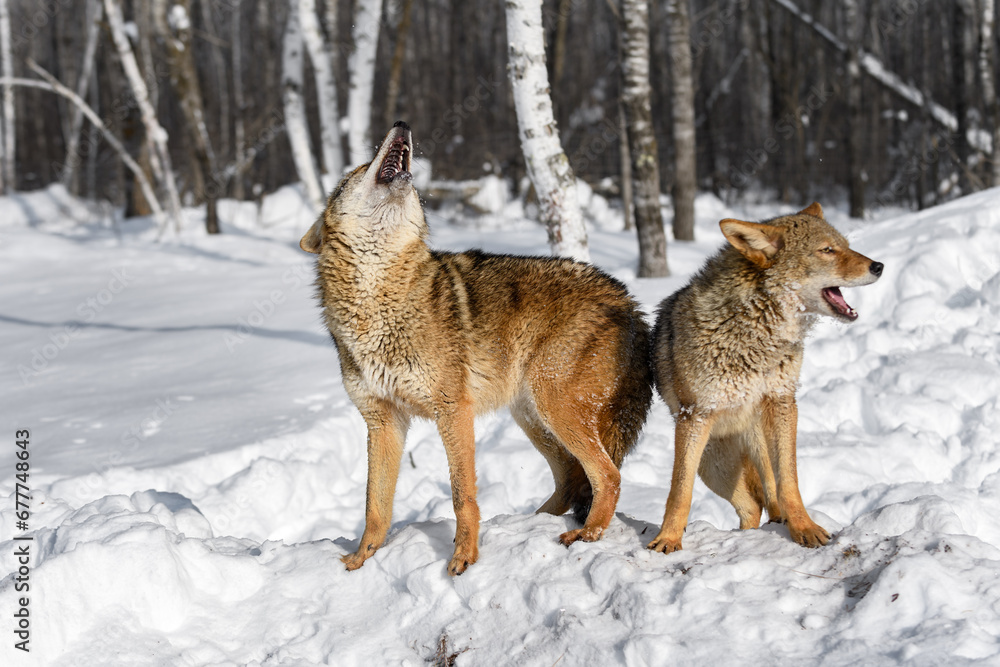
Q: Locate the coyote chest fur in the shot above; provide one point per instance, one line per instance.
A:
(446, 336)
(727, 352)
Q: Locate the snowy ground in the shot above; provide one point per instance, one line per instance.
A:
(196, 468)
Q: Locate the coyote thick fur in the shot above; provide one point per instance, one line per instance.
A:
(727, 351)
(446, 336)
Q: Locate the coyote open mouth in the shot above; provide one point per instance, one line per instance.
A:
(397, 160)
(839, 305)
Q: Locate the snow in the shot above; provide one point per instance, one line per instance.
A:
(197, 469)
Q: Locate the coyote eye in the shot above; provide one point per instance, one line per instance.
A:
(828, 250)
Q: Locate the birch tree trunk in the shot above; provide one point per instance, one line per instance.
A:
(295, 113)
(685, 166)
(50, 83)
(93, 13)
(326, 88)
(9, 129)
(852, 84)
(987, 72)
(625, 159)
(642, 141)
(544, 158)
(361, 65)
(174, 24)
(156, 136)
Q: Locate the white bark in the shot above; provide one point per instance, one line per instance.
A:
(326, 87)
(546, 162)
(93, 14)
(987, 72)
(641, 139)
(156, 136)
(51, 84)
(7, 71)
(295, 113)
(361, 66)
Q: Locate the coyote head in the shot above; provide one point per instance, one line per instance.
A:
(804, 253)
(375, 199)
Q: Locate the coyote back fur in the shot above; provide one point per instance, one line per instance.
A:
(446, 336)
(727, 354)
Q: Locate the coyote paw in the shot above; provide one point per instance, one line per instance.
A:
(357, 559)
(810, 535)
(460, 562)
(664, 544)
(581, 535)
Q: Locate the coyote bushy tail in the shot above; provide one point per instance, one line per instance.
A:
(630, 404)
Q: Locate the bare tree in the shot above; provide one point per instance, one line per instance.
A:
(962, 63)
(93, 14)
(9, 177)
(326, 88)
(174, 25)
(295, 113)
(50, 83)
(239, 128)
(642, 141)
(367, 20)
(682, 106)
(544, 158)
(987, 73)
(396, 67)
(156, 136)
(852, 83)
(219, 65)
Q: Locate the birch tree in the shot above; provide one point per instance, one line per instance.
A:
(93, 13)
(645, 171)
(987, 72)
(296, 124)
(9, 126)
(544, 158)
(239, 132)
(682, 107)
(852, 84)
(174, 24)
(326, 88)
(396, 67)
(962, 76)
(156, 136)
(51, 84)
(361, 64)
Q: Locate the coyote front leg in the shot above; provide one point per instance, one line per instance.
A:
(780, 425)
(386, 432)
(458, 435)
(690, 438)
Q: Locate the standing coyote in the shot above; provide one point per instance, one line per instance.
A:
(727, 350)
(447, 336)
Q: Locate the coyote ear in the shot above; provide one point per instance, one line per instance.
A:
(813, 209)
(757, 242)
(313, 240)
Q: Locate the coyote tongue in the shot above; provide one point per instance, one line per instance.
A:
(836, 300)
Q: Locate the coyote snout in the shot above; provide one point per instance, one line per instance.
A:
(727, 351)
